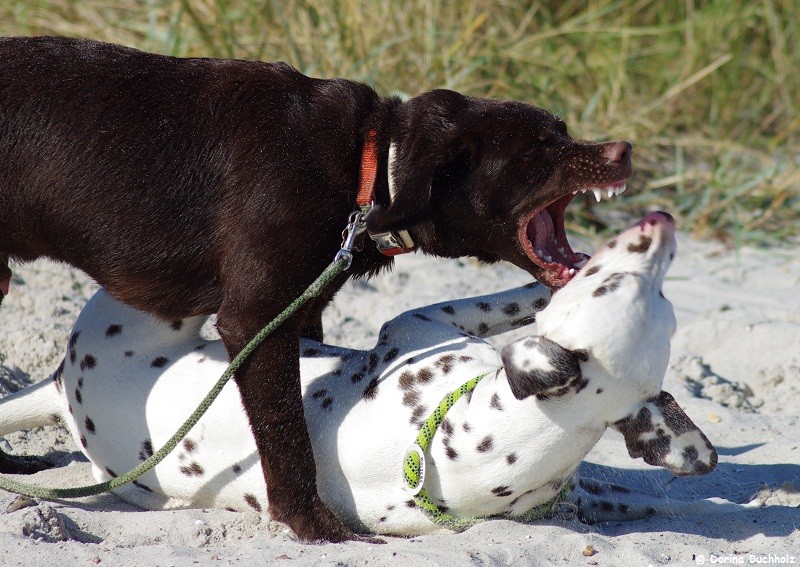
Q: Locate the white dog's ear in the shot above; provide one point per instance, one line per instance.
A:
(537, 366)
(663, 435)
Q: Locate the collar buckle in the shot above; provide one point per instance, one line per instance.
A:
(392, 243)
(388, 243)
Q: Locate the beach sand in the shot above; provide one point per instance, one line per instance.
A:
(735, 369)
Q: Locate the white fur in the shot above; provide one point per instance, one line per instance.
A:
(359, 434)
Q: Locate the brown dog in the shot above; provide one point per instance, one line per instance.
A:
(193, 186)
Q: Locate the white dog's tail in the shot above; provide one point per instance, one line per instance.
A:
(33, 406)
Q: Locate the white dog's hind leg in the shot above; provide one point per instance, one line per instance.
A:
(600, 501)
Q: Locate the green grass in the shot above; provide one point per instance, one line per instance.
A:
(708, 91)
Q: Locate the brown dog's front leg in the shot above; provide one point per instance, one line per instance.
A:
(269, 383)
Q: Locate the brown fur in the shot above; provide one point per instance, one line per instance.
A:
(193, 186)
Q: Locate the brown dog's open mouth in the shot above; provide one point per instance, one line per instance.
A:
(544, 239)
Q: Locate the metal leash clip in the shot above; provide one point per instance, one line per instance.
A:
(355, 226)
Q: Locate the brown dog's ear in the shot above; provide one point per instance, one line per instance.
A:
(426, 135)
(664, 436)
(537, 366)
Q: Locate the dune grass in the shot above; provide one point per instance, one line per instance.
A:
(706, 90)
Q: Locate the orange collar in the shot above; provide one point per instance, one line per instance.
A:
(389, 243)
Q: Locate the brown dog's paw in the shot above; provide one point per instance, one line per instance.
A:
(317, 524)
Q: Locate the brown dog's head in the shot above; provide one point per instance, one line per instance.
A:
(491, 179)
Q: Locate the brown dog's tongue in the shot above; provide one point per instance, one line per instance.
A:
(4, 285)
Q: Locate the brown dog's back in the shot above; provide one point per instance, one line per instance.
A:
(133, 166)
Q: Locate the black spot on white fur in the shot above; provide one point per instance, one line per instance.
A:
(146, 451)
(90, 426)
(424, 376)
(449, 310)
(88, 362)
(411, 398)
(73, 353)
(502, 491)
(610, 284)
(495, 403)
(177, 325)
(159, 362)
(483, 306)
(406, 380)
(142, 486)
(591, 487)
(418, 415)
(371, 391)
(58, 376)
(485, 445)
(193, 469)
(113, 330)
(251, 501)
(445, 363)
(643, 245)
(391, 355)
(447, 427)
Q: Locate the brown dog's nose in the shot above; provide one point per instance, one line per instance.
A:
(618, 152)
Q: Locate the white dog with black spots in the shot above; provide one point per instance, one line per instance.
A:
(128, 381)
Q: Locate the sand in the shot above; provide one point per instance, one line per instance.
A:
(735, 369)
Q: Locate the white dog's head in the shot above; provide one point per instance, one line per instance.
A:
(605, 340)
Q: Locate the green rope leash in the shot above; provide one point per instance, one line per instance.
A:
(414, 470)
(413, 464)
(339, 265)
